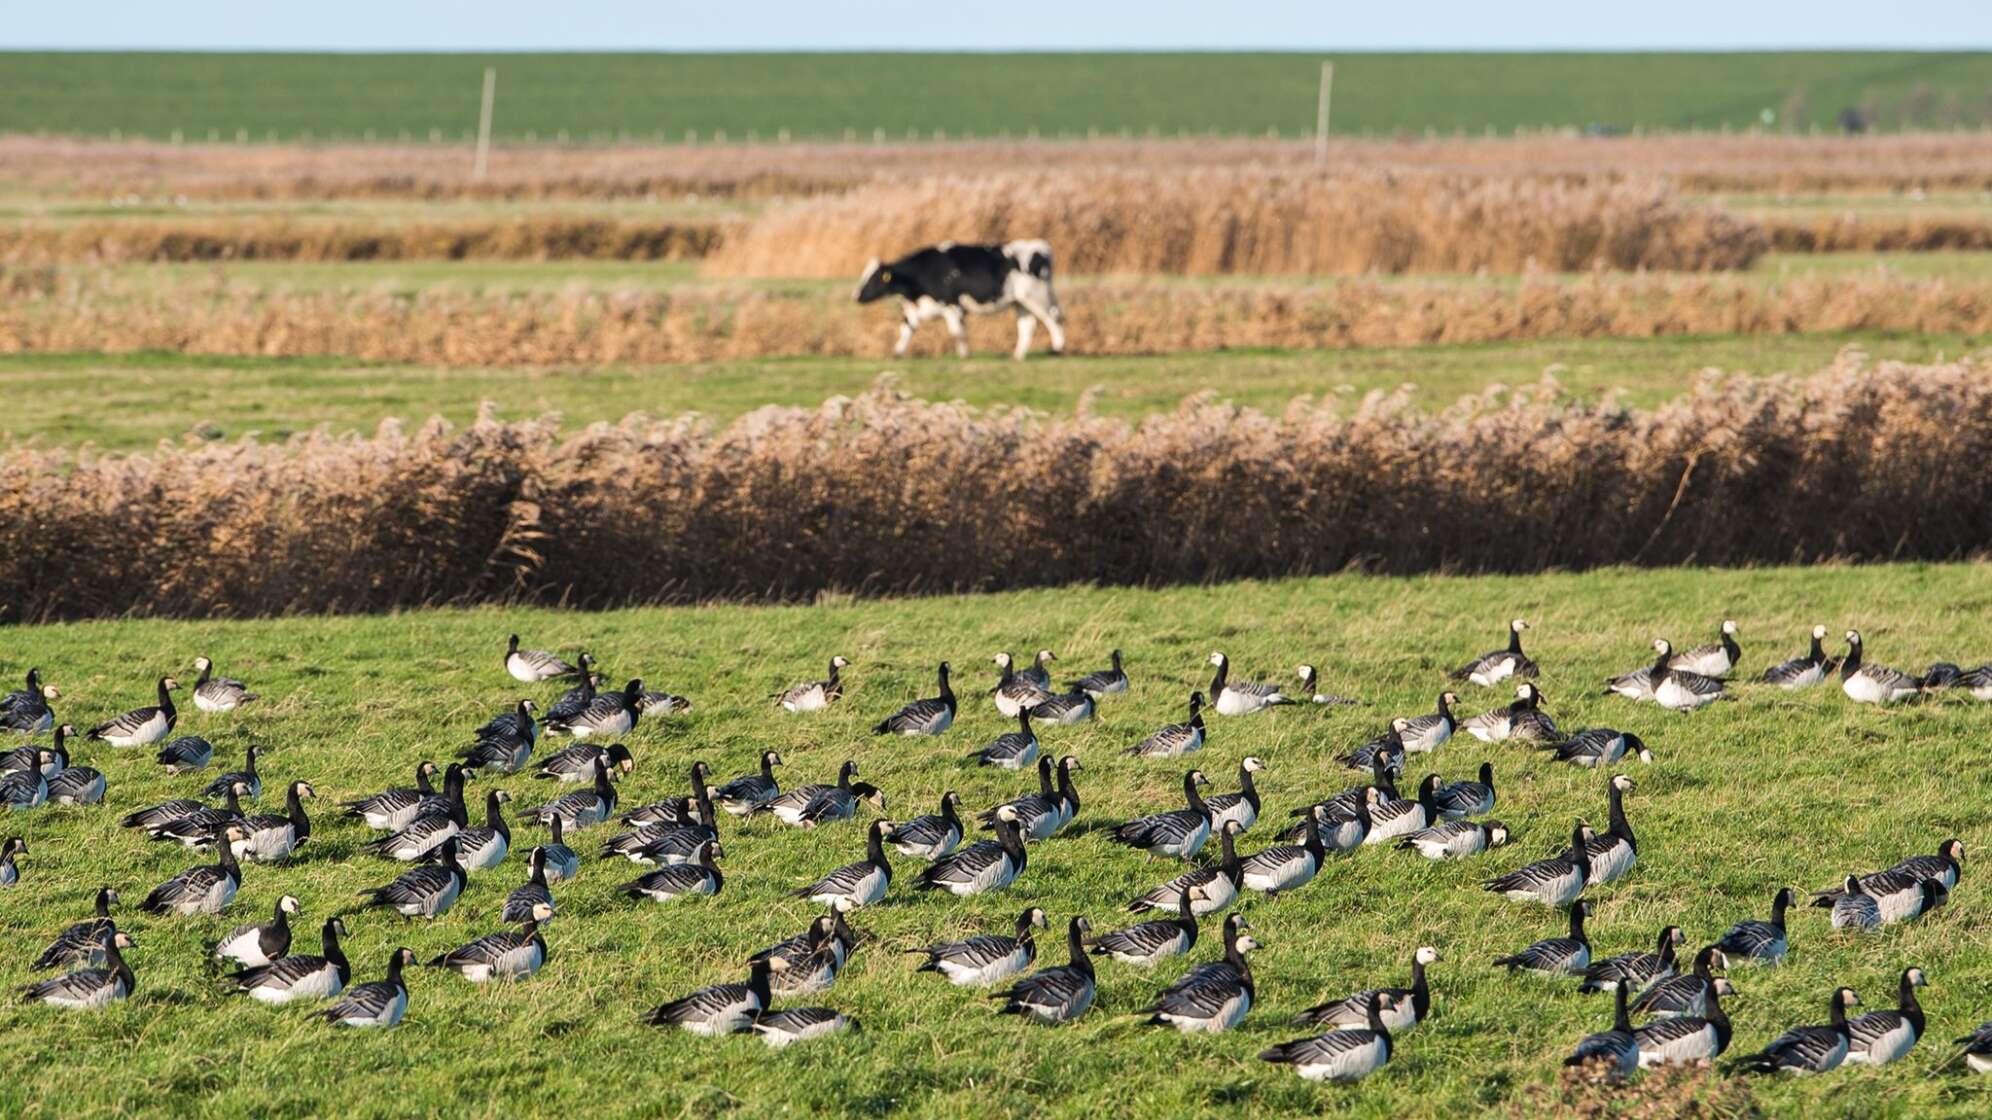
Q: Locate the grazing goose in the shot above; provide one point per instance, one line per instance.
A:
(1458, 800)
(1901, 880)
(985, 958)
(1492, 668)
(1310, 687)
(1808, 1049)
(1149, 943)
(505, 955)
(531, 666)
(395, 809)
(1347, 1055)
(186, 754)
(1635, 972)
(90, 988)
(1400, 817)
(700, 876)
(1522, 719)
(1716, 658)
(1873, 684)
(1039, 673)
(934, 835)
(611, 715)
(1613, 854)
(23, 789)
(271, 838)
(1065, 708)
(986, 865)
(1407, 1006)
(1688, 1039)
(1880, 1037)
(800, 1024)
(577, 763)
(439, 820)
(855, 884)
(749, 792)
(142, 726)
(1805, 671)
(1217, 887)
(30, 711)
(1686, 994)
(197, 829)
(1242, 806)
(201, 890)
(1283, 867)
(1387, 749)
(1680, 690)
(1176, 739)
(1456, 839)
(481, 849)
(377, 1003)
(721, 1009)
(1755, 942)
(218, 694)
(1106, 682)
(534, 892)
(1040, 815)
(1552, 882)
(1015, 692)
(281, 979)
(1230, 699)
(814, 696)
(1178, 833)
(1210, 999)
(1617, 1049)
(251, 781)
(1013, 750)
(82, 943)
(1598, 746)
(584, 808)
(924, 717)
(504, 751)
(424, 892)
(1055, 995)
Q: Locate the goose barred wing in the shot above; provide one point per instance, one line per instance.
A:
(85, 986)
(1208, 1000)
(1812, 1048)
(575, 761)
(980, 951)
(415, 886)
(1750, 939)
(1160, 828)
(1866, 1030)
(79, 942)
(1054, 990)
(920, 715)
(193, 883)
(704, 1004)
(495, 949)
(1350, 1012)
(979, 865)
(1673, 995)
(373, 1001)
(284, 972)
(1555, 954)
(845, 880)
(1171, 740)
(923, 831)
(1143, 940)
(1354, 1050)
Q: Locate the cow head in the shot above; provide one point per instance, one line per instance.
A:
(876, 283)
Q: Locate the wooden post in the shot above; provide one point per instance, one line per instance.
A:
(483, 160)
(1321, 113)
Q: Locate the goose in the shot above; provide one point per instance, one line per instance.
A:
(562, 864)
(197, 829)
(931, 836)
(1013, 750)
(186, 754)
(924, 717)
(1229, 699)
(1902, 879)
(857, 883)
(284, 978)
(1344, 832)
(1456, 839)
(271, 838)
(90, 988)
(814, 696)
(720, 1009)
(1802, 672)
(1522, 719)
(30, 712)
(1014, 691)
(505, 751)
(800, 1024)
(584, 808)
(201, 890)
(1977, 1052)
(1059, 994)
(1040, 815)
(838, 803)
(653, 703)
(1284, 867)
(164, 813)
(1716, 658)
(1242, 806)
(1855, 909)
(10, 871)
(1176, 739)
(218, 694)
(1178, 833)
(660, 845)
(1152, 942)
(1211, 999)
(986, 958)
(789, 807)
(700, 876)
(1217, 886)
(81, 942)
(1039, 673)
(1400, 817)
(1407, 1007)
(440, 819)
(1617, 1049)
(1387, 748)
(424, 892)
(611, 716)
(678, 812)
(23, 789)
(1873, 684)
(1459, 800)
(141, 726)
(30, 757)
(986, 865)
(1635, 972)
(1686, 994)
(377, 1003)
(1492, 668)
(1556, 956)
(812, 958)
(533, 892)
(531, 666)
(577, 763)
(1680, 690)
(1613, 853)
(1310, 687)
(23, 695)
(394, 809)
(1346, 1055)
(481, 849)
(1106, 682)
(749, 792)
(257, 944)
(1065, 708)
(504, 955)
(1345, 802)
(1858, 907)
(1599, 746)
(1808, 1049)
(571, 703)
(1756, 942)
(1978, 682)
(1553, 881)
(252, 782)
(1940, 675)
(1688, 1039)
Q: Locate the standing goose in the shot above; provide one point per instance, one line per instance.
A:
(1456, 839)
(986, 958)
(986, 865)
(1386, 749)
(780, 1029)
(424, 892)
(577, 763)
(1613, 853)
(1040, 815)
(611, 716)
(1402, 817)
(284, 978)
(252, 782)
(1310, 687)
(721, 1009)
(1176, 739)
(1242, 806)
(1283, 867)
(855, 884)
(1106, 682)
(142, 726)
(439, 820)
(506, 750)
(534, 892)
(1178, 833)
(394, 809)
(1756, 942)
(1217, 887)
(749, 792)
(701, 876)
(1873, 684)
(1210, 999)
(1808, 1049)
(504, 955)
(186, 754)
(1348, 1055)
(1039, 673)
(1616, 1049)
(814, 696)
(934, 835)
(1688, 1039)
(1149, 943)
(481, 849)
(1013, 750)
(1065, 708)
(1552, 882)
(218, 694)
(1408, 1006)
(1716, 658)
(90, 988)
(1687, 994)
(584, 808)
(1459, 800)
(923, 717)
(1492, 668)
(201, 890)
(271, 838)
(1230, 699)
(1015, 692)
(1805, 671)
(82, 942)
(1598, 746)
(10, 871)
(531, 666)
(1680, 690)
(378, 1003)
(1635, 972)
(1055, 995)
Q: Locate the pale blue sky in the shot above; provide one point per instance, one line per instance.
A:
(1023, 24)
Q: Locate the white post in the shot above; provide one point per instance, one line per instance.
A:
(1321, 113)
(484, 124)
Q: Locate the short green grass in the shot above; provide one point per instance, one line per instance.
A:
(1775, 789)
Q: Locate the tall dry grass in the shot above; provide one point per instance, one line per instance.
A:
(540, 237)
(884, 494)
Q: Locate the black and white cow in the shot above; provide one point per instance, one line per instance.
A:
(950, 280)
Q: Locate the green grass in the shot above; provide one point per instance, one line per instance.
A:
(646, 96)
(133, 401)
(1773, 790)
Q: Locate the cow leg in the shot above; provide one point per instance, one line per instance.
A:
(905, 337)
(958, 328)
(1026, 327)
(1049, 315)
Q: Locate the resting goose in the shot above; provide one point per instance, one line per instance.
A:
(1715, 659)
(1344, 831)
(1458, 800)
(1178, 833)
(1039, 673)
(71, 784)
(1428, 732)
(1808, 1049)
(788, 807)
(438, 820)
(30, 711)
(424, 892)
(1407, 1007)
(251, 781)
(186, 754)
(1552, 882)
(1055, 995)
(1598, 746)
(1456, 839)
(1757, 942)
(1387, 749)
(1873, 684)
(1284, 867)
(986, 958)
(812, 957)
(1345, 802)
(533, 892)
(1680, 690)
(1229, 699)
(1867, 904)
(1617, 1049)
(1977, 681)
(1802, 672)
(270, 837)
(584, 808)
(1613, 853)
(1310, 687)
(800, 1024)
(571, 703)
(164, 813)
(838, 803)
(1901, 880)
(721, 1009)
(1218, 886)
(531, 666)
(700, 876)
(201, 890)
(577, 763)
(218, 694)
(1065, 708)
(1687, 994)
(611, 716)
(142, 726)
(82, 943)
(90, 988)
(856, 884)
(1236, 944)
(1522, 719)
(986, 865)
(1106, 682)
(1210, 1000)
(1400, 817)
(934, 835)
(376, 1004)
(197, 829)
(21, 790)
(1855, 909)
(394, 809)
(561, 862)
(1176, 739)
(281, 979)
(1556, 956)
(1635, 972)
(1492, 668)
(484, 848)
(814, 696)
(924, 717)
(1015, 692)
(504, 751)
(1013, 750)
(654, 703)
(1149, 943)
(1977, 1052)
(1040, 815)
(749, 792)
(10, 871)
(1242, 806)
(1687, 1039)
(505, 955)
(1348, 1055)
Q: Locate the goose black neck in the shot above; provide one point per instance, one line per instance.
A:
(225, 856)
(116, 960)
(1910, 1007)
(1024, 721)
(1217, 678)
(422, 783)
(232, 799)
(1620, 827)
(1313, 843)
(1839, 1015)
(768, 765)
(536, 874)
(602, 789)
(1012, 840)
(1191, 795)
(875, 845)
(1075, 941)
(1851, 664)
(394, 971)
(1247, 787)
(757, 980)
(1514, 640)
(947, 692)
(207, 671)
(1045, 788)
(104, 902)
(1818, 653)
(1421, 988)
(1445, 709)
(1665, 950)
(282, 921)
(1374, 1013)
(1229, 862)
(1114, 659)
(328, 946)
(1577, 924)
(1718, 1019)
(1729, 646)
(1621, 1016)
(1778, 907)
(494, 816)
(166, 700)
(1066, 789)
(948, 812)
(1660, 660)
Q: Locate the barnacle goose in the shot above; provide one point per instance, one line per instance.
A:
(1855, 909)
(1873, 684)
(504, 955)
(1901, 879)
(1456, 839)
(252, 782)
(1176, 739)
(924, 717)
(1686, 994)
(282, 979)
(1210, 1000)
(1638, 971)
(1522, 719)
(1880, 1037)
(142, 726)
(1613, 853)
(1014, 691)
(812, 957)
(749, 792)
(577, 763)
(1756, 942)
(1458, 800)
(561, 862)
(857, 883)
(814, 696)
(1310, 687)
(531, 666)
(1402, 817)
(197, 829)
(10, 871)
(1977, 1052)
(533, 892)
(571, 703)
(504, 751)
(1716, 658)
(81, 942)
(393, 809)
(1387, 748)
(789, 807)
(166, 812)
(838, 803)
(1039, 673)
(1229, 699)
(584, 808)
(186, 754)
(90, 988)
(1283, 867)
(1178, 833)
(1065, 708)
(218, 694)
(1218, 885)
(800, 1024)
(1151, 942)
(1688, 1039)
(1348, 1055)
(272, 837)
(1105, 682)
(1805, 671)
(1808, 1049)
(1236, 944)
(1977, 681)
(1616, 1049)
(1553, 881)
(612, 715)
(986, 865)
(1055, 995)
(1345, 802)
(1344, 831)
(1599, 746)
(1868, 903)
(30, 711)
(71, 784)
(23, 789)
(439, 819)
(1040, 815)
(698, 876)
(1493, 668)
(481, 849)
(720, 1009)
(378, 1003)
(934, 835)
(1429, 732)
(424, 892)
(985, 958)
(1407, 1007)
(1680, 690)
(1012, 750)
(207, 889)
(1242, 806)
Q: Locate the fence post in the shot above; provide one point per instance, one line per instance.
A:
(483, 159)
(1321, 113)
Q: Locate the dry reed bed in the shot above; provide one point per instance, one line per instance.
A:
(884, 494)
(541, 237)
(1862, 233)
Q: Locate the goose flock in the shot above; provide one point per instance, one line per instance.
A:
(429, 850)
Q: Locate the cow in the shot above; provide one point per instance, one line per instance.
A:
(951, 280)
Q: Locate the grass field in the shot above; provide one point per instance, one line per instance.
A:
(648, 96)
(1777, 789)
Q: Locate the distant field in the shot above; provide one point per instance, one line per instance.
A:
(649, 96)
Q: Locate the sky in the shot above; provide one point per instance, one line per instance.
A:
(673, 25)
